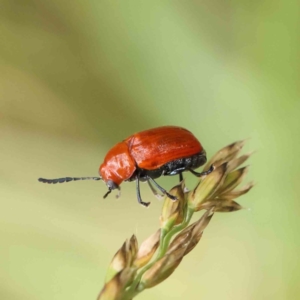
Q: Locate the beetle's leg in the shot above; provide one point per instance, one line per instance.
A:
(162, 189)
(203, 173)
(154, 191)
(107, 193)
(138, 192)
(180, 177)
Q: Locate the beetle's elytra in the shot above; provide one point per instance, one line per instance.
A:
(147, 155)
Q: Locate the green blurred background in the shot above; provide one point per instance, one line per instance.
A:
(78, 76)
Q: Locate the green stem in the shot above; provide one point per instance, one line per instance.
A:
(163, 235)
(166, 241)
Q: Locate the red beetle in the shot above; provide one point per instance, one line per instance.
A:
(147, 155)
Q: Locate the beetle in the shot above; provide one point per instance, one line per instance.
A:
(147, 155)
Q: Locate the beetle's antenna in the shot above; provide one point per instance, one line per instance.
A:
(67, 179)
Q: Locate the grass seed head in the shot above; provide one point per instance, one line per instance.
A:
(225, 154)
(173, 211)
(161, 270)
(147, 250)
(207, 187)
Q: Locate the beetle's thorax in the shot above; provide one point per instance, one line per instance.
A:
(118, 164)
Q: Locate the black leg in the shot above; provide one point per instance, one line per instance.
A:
(180, 177)
(138, 192)
(202, 173)
(154, 191)
(106, 194)
(162, 189)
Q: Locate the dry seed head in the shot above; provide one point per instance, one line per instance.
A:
(123, 258)
(118, 262)
(232, 180)
(182, 238)
(223, 196)
(179, 252)
(150, 275)
(221, 205)
(233, 164)
(127, 276)
(160, 271)
(207, 187)
(235, 194)
(191, 235)
(147, 250)
(111, 290)
(198, 229)
(193, 243)
(225, 154)
(228, 206)
(173, 211)
(114, 288)
(133, 249)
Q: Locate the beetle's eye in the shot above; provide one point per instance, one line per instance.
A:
(111, 185)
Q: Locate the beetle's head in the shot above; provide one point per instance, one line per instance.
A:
(110, 178)
(112, 186)
(118, 166)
